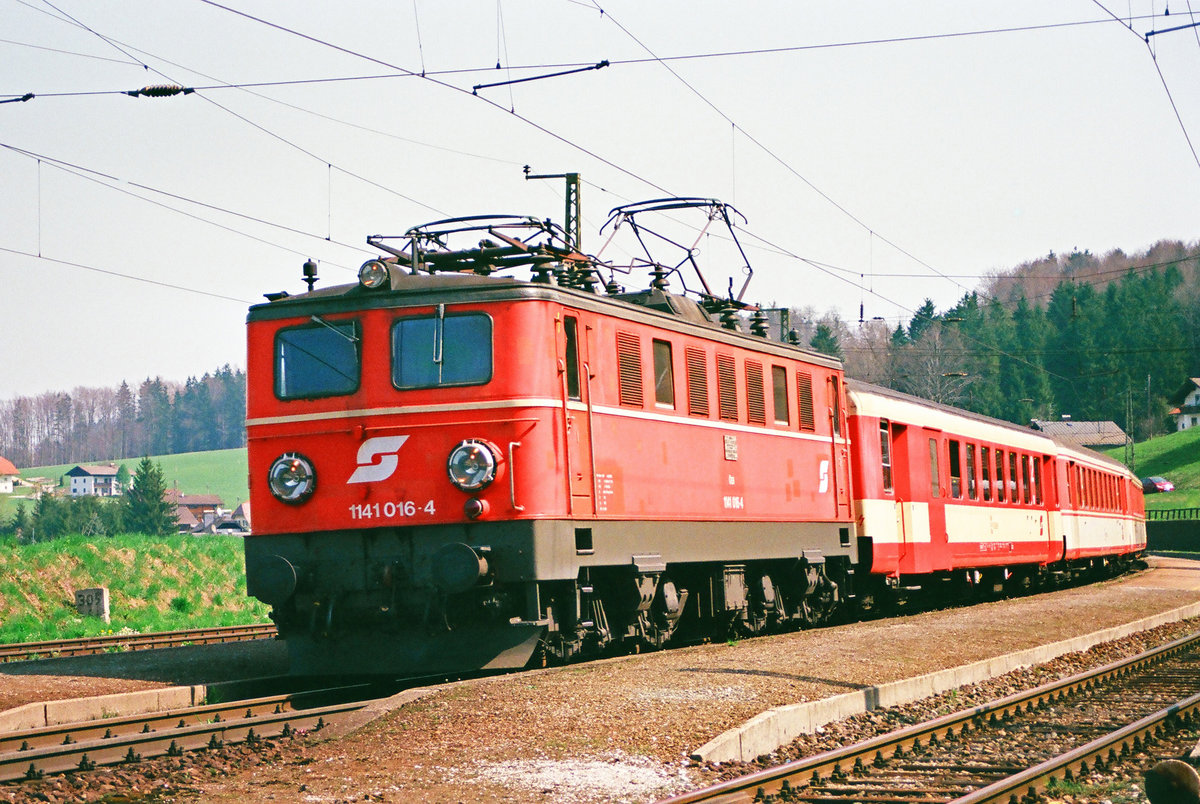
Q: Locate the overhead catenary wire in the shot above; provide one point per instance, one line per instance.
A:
(727, 54)
(793, 171)
(512, 112)
(1162, 78)
(119, 274)
(122, 49)
(109, 181)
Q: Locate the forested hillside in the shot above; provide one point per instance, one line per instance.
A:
(157, 418)
(1096, 338)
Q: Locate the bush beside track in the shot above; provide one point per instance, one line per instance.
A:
(155, 584)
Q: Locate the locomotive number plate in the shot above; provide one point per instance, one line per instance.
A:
(398, 509)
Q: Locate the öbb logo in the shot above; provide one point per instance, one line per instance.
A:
(377, 459)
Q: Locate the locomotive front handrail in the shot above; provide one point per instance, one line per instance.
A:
(587, 373)
(512, 476)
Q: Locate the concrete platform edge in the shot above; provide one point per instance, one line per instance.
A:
(769, 730)
(78, 710)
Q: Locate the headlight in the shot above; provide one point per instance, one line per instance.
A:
(373, 274)
(472, 465)
(292, 478)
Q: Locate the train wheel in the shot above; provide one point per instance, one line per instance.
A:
(820, 606)
(1022, 582)
(875, 601)
(763, 608)
(540, 657)
(659, 623)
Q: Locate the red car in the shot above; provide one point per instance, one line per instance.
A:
(1154, 485)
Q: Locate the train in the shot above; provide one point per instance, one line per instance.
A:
(455, 467)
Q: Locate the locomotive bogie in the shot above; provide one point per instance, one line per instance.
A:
(582, 586)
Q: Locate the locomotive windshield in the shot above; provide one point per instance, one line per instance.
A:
(442, 350)
(318, 360)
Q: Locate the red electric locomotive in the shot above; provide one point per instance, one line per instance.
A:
(452, 468)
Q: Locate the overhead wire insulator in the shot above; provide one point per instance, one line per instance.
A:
(160, 91)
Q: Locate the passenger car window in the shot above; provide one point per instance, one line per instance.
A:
(442, 350)
(1000, 492)
(885, 455)
(322, 359)
(955, 455)
(971, 490)
(985, 463)
(934, 484)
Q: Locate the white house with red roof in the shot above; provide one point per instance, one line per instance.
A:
(8, 475)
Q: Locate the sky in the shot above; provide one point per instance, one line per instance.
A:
(881, 153)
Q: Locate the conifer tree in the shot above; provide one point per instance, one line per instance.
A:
(825, 341)
(146, 508)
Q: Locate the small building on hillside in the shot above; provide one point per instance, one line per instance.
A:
(185, 520)
(1186, 404)
(198, 511)
(1092, 435)
(95, 481)
(8, 475)
(241, 514)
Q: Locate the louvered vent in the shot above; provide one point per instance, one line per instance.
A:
(629, 369)
(756, 403)
(697, 381)
(804, 401)
(727, 387)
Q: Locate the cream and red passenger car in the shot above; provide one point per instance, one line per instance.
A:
(942, 494)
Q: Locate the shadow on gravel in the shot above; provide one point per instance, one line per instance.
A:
(194, 664)
(737, 671)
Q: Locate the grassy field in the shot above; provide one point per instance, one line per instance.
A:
(154, 585)
(221, 472)
(1175, 457)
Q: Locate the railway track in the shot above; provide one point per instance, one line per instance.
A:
(33, 753)
(1005, 751)
(24, 651)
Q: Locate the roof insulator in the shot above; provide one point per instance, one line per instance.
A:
(729, 317)
(759, 324)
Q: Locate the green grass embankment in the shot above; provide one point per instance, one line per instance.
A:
(155, 584)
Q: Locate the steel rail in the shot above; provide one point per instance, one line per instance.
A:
(110, 727)
(23, 651)
(783, 779)
(1104, 751)
(33, 753)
